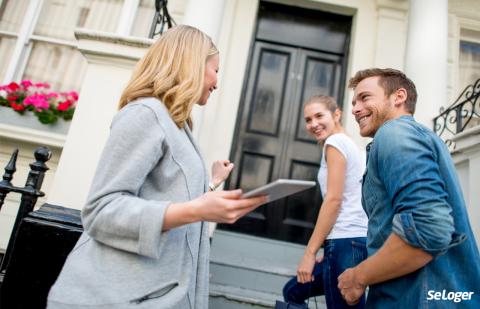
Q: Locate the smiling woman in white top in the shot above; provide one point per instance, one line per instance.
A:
(342, 224)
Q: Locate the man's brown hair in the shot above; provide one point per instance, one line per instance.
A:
(390, 80)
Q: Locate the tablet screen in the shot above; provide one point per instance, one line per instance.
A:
(280, 188)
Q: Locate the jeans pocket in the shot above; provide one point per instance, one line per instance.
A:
(359, 251)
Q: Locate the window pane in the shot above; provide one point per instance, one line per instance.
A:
(6, 48)
(11, 14)
(143, 20)
(62, 67)
(469, 63)
(469, 74)
(59, 18)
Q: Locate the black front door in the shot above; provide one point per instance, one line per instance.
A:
(297, 53)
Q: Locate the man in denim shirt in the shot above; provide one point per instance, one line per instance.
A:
(422, 252)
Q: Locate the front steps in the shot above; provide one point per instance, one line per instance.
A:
(249, 272)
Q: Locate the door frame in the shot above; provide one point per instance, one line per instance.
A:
(239, 22)
(248, 72)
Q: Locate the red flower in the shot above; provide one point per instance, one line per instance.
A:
(17, 107)
(63, 106)
(12, 87)
(12, 98)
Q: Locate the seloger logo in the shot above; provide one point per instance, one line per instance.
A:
(444, 295)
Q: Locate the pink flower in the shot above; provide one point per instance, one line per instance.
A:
(74, 95)
(38, 100)
(26, 84)
(52, 95)
(42, 85)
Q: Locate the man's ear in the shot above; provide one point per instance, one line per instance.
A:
(400, 97)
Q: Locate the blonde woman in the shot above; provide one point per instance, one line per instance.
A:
(145, 243)
(342, 224)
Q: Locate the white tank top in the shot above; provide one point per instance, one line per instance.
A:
(352, 220)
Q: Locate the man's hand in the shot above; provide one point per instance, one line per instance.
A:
(350, 287)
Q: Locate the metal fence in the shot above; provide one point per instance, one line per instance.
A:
(464, 113)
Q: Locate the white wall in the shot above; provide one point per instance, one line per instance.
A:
(110, 61)
(467, 161)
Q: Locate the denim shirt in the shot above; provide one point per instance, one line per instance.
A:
(410, 188)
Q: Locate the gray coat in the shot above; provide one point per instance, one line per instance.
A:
(123, 259)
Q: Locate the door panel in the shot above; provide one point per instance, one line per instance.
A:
(268, 96)
(270, 138)
(321, 76)
(258, 157)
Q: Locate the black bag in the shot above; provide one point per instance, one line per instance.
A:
(283, 305)
(279, 304)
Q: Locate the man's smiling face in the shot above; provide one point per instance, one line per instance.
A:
(371, 107)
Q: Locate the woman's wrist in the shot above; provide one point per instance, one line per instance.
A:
(183, 213)
(212, 186)
(216, 182)
(312, 248)
(194, 211)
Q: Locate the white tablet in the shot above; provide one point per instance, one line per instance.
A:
(280, 188)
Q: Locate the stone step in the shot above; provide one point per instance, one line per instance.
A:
(252, 263)
(250, 272)
(259, 275)
(236, 297)
(228, 297)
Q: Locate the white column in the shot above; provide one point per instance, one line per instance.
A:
(127, 17)
(110, 62)
(426, 56)
(207, 16)
(391, 34)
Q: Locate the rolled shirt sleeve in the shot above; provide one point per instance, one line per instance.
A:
(409, 170)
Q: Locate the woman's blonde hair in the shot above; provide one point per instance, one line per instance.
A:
(173, 71)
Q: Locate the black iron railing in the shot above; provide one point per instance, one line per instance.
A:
(462, 114)
(160, 19)
(30, 192)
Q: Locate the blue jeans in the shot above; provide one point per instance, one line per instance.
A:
(338, 255)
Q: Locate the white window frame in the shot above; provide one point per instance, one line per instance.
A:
(25, 37)
(22, 46)
(464, 24)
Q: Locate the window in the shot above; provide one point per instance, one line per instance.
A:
(144, 18)
(469, 70)
(11, 16)
(38, 43)
(469, 64)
